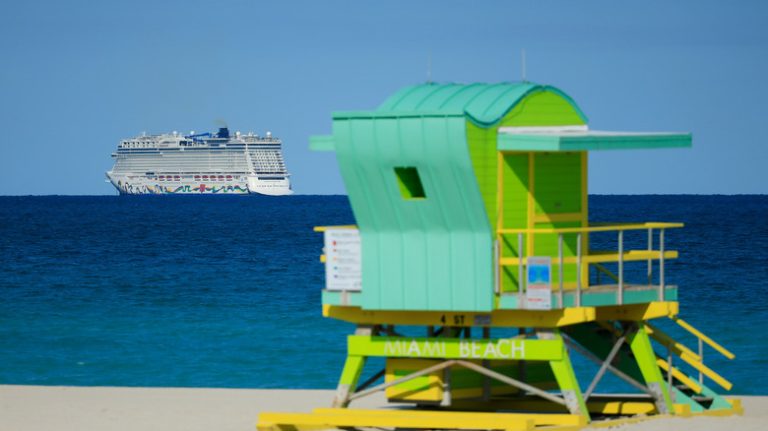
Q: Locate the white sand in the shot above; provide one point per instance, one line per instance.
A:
(39, 408)
(65, 408)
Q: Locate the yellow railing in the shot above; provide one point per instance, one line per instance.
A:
(591, 257)
(694, 359)
(325, 228)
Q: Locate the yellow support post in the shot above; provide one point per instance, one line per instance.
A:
(646, 361)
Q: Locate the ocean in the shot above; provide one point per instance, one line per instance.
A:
(224, 291)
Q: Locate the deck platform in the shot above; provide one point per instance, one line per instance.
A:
(593, 296)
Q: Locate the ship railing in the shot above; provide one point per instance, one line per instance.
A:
(583, 258)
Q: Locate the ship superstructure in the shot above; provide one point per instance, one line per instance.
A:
(174, 163)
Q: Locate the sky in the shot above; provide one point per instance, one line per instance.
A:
(76, 77)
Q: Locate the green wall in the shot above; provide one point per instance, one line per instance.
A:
(557, 177)
(541, 108)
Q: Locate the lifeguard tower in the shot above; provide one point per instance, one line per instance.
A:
(473, 270)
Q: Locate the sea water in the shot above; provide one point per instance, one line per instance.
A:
(224, 291)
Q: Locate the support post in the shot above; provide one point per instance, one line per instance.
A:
(578, 270)
(565, 376)
(661, 264)
(650, 261)
(446, 402)
(350, 375)
(353, 367)
(621, 268)
(646, 361)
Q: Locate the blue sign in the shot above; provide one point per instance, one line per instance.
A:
(538, 273)
(538, 289)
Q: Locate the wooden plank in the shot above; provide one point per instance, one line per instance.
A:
(352, 418)
(539, 419)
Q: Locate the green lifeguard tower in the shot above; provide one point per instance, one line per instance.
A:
(473, 231)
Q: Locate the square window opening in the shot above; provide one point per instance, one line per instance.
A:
(410, 183)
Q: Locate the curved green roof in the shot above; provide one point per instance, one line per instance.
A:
(485, 104)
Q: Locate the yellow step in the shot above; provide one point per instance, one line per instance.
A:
(679, 375)
(540, 419)
(414, 419)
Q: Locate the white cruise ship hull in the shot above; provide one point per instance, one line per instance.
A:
(269, 186)
(137, 185)
(200, 164)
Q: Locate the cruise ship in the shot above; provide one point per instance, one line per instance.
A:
(220, 163)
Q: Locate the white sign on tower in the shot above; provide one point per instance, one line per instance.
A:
(343, 266)
(538, 289)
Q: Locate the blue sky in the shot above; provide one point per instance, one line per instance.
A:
(76, 77)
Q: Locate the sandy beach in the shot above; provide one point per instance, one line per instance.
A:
(38, 408)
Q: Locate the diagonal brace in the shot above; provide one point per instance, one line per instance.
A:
(604, 366)
(370, 381)
(623, 376)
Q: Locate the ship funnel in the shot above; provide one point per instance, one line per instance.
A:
(223, 132)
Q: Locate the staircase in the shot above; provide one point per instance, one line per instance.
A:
(685, 374)
(685, 388)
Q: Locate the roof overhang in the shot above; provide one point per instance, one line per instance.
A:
(579, 138)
